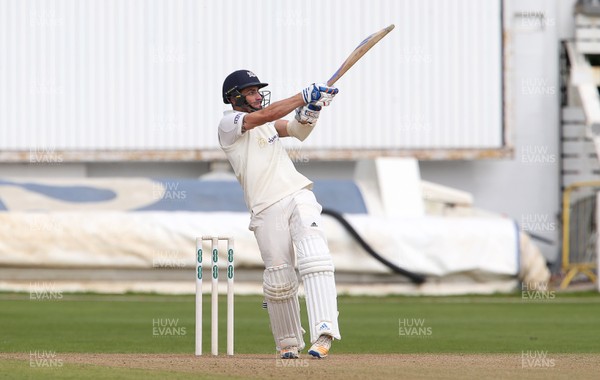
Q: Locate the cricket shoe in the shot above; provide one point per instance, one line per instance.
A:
(321, 347)
(289, 352)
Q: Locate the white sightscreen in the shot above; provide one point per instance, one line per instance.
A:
(139, 74)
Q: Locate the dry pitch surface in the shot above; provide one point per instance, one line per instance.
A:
(348, 366)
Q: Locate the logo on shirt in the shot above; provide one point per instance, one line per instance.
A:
(237, 118)
(262, 142)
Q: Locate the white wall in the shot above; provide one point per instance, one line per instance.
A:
(526, 188)
(147, 75)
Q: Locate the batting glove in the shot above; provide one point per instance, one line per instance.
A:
(319, 94)
(308, 114)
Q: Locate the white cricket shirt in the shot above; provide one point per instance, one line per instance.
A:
(259, 161)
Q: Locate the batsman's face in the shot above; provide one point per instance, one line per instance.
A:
(253, 97)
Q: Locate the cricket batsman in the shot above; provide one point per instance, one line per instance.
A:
(284, 210)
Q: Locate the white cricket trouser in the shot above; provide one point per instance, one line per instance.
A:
(296, 221)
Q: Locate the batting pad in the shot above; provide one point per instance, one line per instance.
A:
(280, 287)
(316, 269)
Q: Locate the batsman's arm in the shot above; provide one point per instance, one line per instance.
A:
(295, 129)
(302, 124)
(275, 111)
(281, 127)
(317, 94)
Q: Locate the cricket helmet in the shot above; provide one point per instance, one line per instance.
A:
(236, 82)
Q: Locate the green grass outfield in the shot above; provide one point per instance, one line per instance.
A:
(41, 327)
(135, 323)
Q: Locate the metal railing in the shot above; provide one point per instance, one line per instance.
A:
(580, 233)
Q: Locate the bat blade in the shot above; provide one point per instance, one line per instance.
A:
(360, 50)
